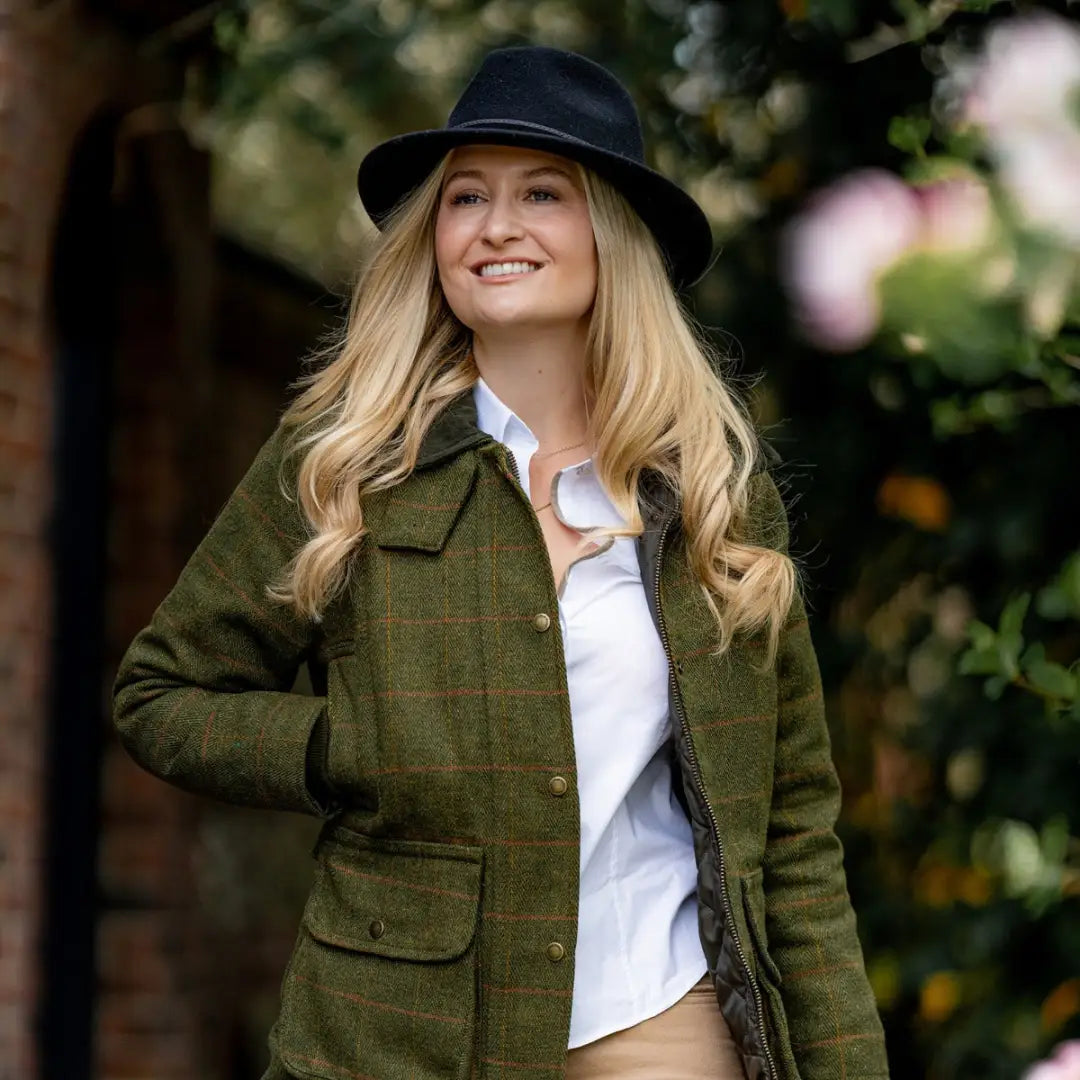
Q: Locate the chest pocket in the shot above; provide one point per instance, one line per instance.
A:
(383, 979)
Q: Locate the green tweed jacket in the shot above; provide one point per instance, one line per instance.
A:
(438, 939)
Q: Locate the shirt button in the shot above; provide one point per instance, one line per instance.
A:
(555, 951)
(557, 785)
(377, 928)
(541, 621)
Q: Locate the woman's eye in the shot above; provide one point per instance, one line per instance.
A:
(545, 192)
(462, 197)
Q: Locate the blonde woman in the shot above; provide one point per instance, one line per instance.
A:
(567, 736)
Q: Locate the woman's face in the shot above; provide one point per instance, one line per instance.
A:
(503, 204)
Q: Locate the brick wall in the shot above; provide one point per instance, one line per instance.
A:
(58, 69)
(24, 491)
(199, 905)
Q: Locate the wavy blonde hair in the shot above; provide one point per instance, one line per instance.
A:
(651, 377)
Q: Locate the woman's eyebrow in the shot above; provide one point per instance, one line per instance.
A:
(528, 174)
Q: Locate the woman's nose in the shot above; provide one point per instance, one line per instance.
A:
(501, 223)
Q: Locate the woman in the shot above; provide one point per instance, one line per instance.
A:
(567, 733)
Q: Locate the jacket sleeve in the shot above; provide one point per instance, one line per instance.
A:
(832, 1016)
(202, 695)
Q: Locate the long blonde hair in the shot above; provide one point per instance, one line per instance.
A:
(651, 376)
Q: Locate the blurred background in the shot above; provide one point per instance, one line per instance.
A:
(895, 191)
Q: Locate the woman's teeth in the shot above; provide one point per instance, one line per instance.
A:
(496, 269)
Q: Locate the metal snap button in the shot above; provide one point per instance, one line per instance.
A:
(377, 928)
(541, 621)
(555, 951)
(557, 785)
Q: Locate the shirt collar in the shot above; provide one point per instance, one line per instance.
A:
(495, 417)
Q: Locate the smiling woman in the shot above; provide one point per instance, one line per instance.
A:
(507, 214)
(568, 734)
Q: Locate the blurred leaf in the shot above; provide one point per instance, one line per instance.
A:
(1010, 624)
(1055, 839)
(932, 168)
(839, 15)
(910, 133)
(937, 299)
(979, 662)
(1061, 598)
(1051, 679)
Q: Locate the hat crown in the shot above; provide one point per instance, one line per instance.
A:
(553, 91)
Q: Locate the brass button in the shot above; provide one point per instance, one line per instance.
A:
(377, 928)
(541, 621)
(555, 952)
(557, 785)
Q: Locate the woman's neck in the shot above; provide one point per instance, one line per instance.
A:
(542, 380)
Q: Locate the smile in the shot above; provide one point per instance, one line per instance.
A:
(507, 269)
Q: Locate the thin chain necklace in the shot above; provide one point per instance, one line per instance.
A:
(546, 453)
(552, 453)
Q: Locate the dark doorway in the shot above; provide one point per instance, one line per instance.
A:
(83, 276)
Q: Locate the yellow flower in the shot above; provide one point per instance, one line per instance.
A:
(939, 996)
(974, 886)
(783, 179)
(918, 499)
(1060, 1006)
(934, 885)
(884, 974)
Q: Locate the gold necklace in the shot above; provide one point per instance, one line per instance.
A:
(552, 453)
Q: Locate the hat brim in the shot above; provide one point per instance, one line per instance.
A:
(396, 167)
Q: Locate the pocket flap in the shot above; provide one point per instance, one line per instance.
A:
(401, 899)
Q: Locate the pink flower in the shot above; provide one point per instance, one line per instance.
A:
(1023, 92)
(957, 214)
(851, 233)
(1026, 76)
(836, 249)
(1041, 173)
(1063, 1065)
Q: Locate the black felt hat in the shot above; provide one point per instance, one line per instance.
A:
(549, 99)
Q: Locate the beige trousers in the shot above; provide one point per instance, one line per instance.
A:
(689, 1041)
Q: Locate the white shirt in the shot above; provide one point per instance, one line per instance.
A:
(638, 950)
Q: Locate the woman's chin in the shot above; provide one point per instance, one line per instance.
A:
(500, 321)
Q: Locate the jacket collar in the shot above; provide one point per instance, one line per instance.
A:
(456, 428)
(420, 512)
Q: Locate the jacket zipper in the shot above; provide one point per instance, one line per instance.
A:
(695, 768)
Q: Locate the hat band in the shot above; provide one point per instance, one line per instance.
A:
(488, 121)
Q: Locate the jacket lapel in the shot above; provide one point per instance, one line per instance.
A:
(419, 512)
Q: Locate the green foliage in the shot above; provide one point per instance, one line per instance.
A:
(1060, 599)
(839, 16)
(910, 133)
(1001, 654)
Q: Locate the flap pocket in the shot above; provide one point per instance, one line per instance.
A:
(401, 899)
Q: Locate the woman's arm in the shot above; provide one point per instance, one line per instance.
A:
(833, 1019)
(202, 696)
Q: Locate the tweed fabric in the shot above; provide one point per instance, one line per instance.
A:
(439, 936)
